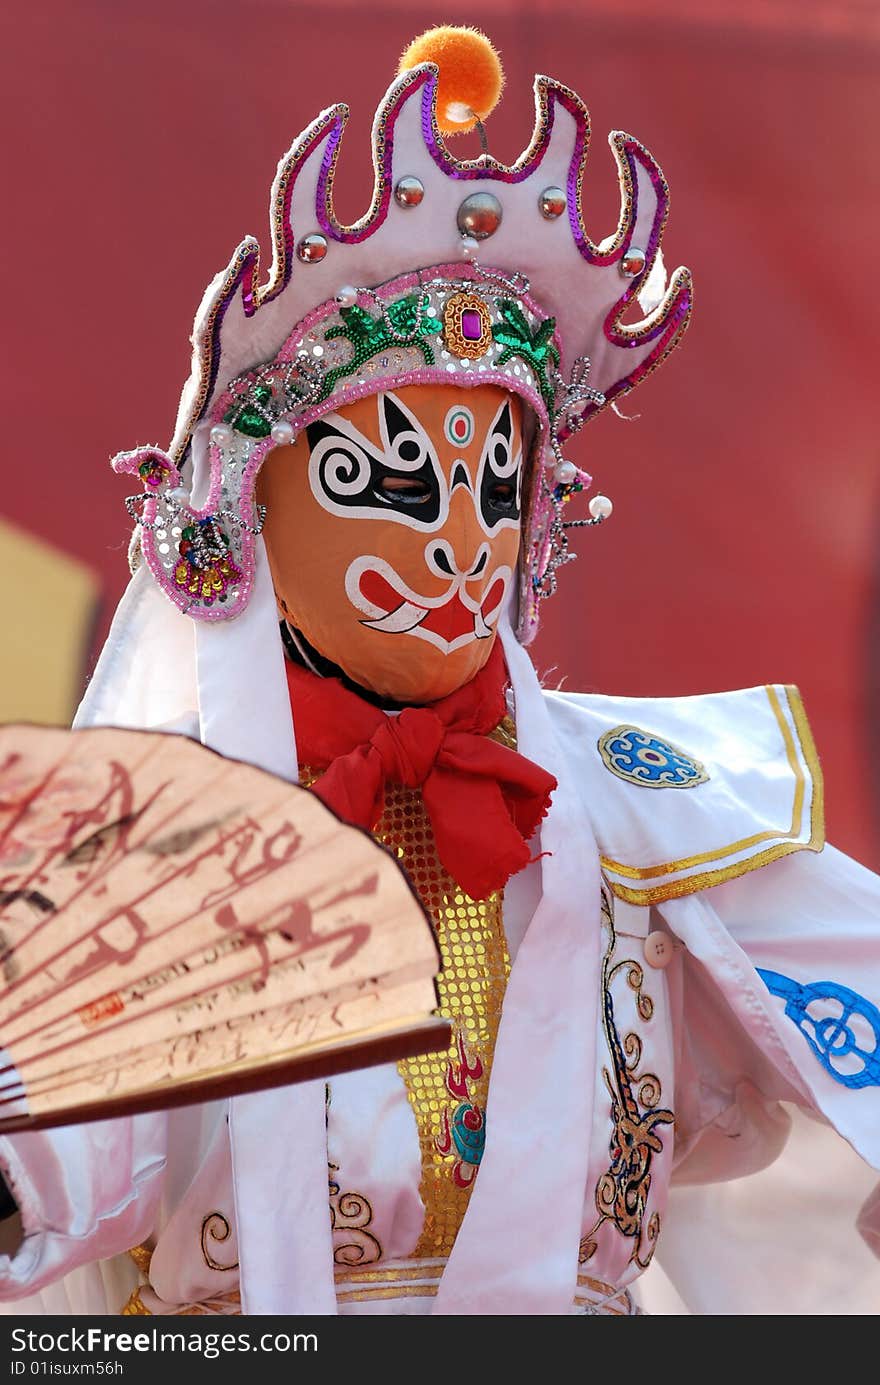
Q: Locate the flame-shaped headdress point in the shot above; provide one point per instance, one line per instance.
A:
(464, 270)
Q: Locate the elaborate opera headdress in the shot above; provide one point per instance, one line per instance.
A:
(469, 272)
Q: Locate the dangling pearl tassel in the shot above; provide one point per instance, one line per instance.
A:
(565, 473)
(600, 508)
(469, 247)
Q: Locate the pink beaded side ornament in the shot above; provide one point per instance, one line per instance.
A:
(470, 272)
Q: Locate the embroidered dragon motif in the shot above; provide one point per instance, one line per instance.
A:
(622, 1192)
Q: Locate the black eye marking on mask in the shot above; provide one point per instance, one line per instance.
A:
(404, 482)
(499, 480)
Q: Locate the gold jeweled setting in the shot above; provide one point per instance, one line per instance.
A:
(467, 326)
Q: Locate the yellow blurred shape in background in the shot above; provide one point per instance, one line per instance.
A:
(46, 621)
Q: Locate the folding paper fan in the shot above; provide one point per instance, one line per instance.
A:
(176, 926)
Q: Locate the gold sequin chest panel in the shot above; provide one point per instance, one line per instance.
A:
(447, 1091)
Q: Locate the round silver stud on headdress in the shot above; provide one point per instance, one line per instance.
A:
(394, 333)
(409, 191)
(479, 215)
(632, 262)
(312, 248)
(552, 203)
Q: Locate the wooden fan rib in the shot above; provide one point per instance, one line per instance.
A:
(39, 965)
(241, 883)
(26, 945)
(204, 934)
(406, 1039)
(198, 930)
(39, 962)
(71, 748)
(276, 972)
(252, 1034)
(383, 921)
(16, 816)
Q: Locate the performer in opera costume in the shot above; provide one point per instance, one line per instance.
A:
(647, 946)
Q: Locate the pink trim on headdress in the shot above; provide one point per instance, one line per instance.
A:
(162, 513)
(652, 339)
(666, 324)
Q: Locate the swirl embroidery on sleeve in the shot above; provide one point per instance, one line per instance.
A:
(215, 1227)
(837, 1023)
(622, 1193)
(350, 1215)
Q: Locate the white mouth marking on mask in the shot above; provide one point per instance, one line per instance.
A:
(411, 611)
(406, 617)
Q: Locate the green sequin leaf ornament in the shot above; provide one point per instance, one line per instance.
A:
(249, 420)
(407, 321)
(536, 348)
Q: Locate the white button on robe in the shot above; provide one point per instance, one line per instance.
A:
(659, 949)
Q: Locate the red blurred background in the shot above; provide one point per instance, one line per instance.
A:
(141, 140)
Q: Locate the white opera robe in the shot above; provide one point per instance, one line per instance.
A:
(651, 1053)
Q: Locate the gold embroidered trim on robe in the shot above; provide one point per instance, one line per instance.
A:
(651, 883)
(221, 1305)
(413, 1278)
(637, 1119)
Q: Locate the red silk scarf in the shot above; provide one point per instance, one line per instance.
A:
(484, 800)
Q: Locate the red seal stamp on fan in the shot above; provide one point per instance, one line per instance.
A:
(100, 1010)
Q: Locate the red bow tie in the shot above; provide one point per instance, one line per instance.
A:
(484, 800)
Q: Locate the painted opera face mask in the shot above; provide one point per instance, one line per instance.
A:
(393, 532)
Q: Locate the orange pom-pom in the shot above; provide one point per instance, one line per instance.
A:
(471, 76)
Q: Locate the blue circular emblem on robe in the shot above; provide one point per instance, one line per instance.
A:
(640, 758)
